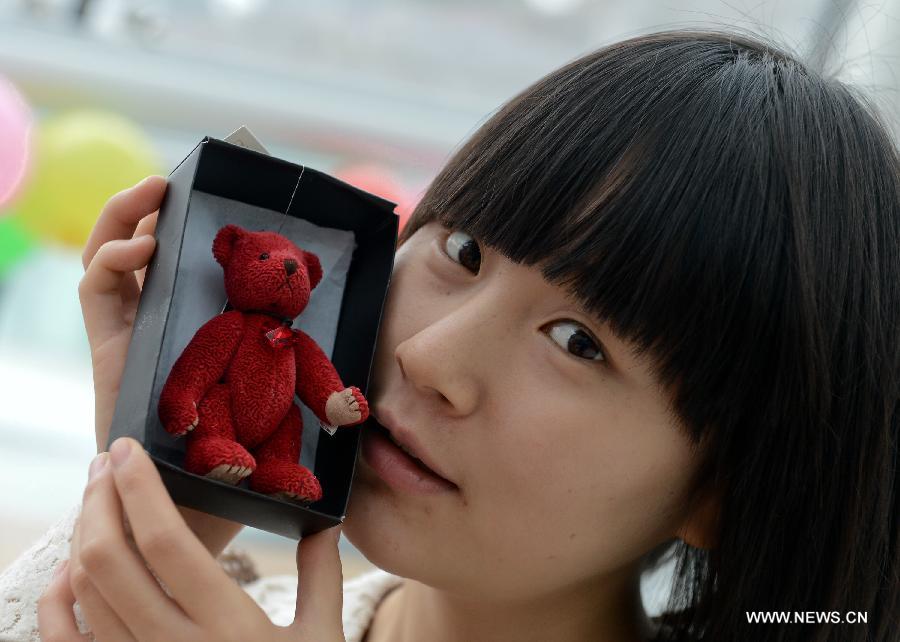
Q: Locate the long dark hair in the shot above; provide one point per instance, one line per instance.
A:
(736, 216)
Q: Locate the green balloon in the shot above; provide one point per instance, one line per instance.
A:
(15, 243)
(81, 159)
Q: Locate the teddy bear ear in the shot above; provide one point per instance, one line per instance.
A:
(313, 269)
(224, 243)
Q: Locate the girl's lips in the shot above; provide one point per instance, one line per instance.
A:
(398, 469)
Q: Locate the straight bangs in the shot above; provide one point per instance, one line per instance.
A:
(639, 178)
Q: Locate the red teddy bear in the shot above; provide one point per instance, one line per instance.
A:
(233, 386)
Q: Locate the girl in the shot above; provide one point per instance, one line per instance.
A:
(648, 312)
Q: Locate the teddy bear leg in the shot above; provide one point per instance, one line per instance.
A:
(211, 447)
(278, 471)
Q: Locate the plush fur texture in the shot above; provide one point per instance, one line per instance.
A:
(232, 389)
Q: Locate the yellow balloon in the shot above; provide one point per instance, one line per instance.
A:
(81, 159)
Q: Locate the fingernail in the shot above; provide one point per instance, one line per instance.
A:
(60, 568)
(97, 464)
(119, 451)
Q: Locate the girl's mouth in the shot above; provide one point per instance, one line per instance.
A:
(398, 468)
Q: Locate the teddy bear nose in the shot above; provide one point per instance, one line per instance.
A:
(290, 266)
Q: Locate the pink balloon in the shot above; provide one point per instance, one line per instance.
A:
(380, 182)
(15, 133)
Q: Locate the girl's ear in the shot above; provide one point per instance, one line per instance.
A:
(224, 242)
(313, 269)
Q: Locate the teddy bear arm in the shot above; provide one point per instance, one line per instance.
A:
(201, 364)
(317, 378)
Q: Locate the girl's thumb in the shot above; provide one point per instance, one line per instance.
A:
(320, 581)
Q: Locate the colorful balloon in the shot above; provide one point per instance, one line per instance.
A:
(15, 243)
(380, 182)
(81, 159)
(15, 134)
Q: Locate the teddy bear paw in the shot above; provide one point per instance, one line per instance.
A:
(286, 480)
(229, 474)
(186, 420)
(293, 498)
(220, 459)
(346, 407)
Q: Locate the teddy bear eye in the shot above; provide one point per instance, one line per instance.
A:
(263, 256)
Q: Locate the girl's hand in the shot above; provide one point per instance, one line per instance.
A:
(122, 601)
(114, 258)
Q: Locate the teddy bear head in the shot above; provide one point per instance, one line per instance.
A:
(265, 271)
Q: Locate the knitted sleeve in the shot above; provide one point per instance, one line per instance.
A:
(26, 579)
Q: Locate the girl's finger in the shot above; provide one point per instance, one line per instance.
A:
(56, 619)
(146, 226)
(108, 275)
(122, 212)
(320, 582)
(115, 569)
(104, 624)
(194, 578)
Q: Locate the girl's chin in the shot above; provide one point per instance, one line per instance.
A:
(385, 530)
(382, 539)
(371, 511)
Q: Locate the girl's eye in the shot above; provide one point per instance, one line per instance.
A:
(463, 249)
(574, 338)
(263, 256)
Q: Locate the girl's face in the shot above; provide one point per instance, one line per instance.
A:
(566, 464)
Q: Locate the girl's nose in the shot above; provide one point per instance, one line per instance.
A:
(447, 359)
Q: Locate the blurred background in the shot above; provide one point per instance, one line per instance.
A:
(97, 94)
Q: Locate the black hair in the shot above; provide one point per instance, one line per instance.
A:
(735, 217)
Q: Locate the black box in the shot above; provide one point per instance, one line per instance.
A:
(220, 183)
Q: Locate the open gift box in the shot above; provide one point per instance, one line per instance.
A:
(353, 233)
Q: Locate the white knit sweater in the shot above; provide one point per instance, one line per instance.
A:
(24, 581)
